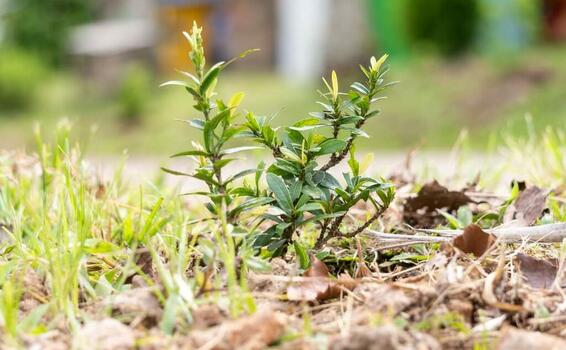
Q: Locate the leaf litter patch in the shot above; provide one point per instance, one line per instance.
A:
(489, 284)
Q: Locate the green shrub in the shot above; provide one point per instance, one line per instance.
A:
(42, 27)
(21, 75)
(301, 191)
(135, 92)
(450, 26)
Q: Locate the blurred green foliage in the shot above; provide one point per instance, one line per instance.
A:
(449, 26)
(509, 25)
(135, 92)
(42, 26)
(21, 74)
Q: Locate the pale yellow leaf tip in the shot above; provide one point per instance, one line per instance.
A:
(376, 64)
(334, 85)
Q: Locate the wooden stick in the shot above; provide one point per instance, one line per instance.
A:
(403, 237)
(549, 233)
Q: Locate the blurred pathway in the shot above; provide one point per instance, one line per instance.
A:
(457, 169)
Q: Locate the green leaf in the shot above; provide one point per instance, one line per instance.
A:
(295, 189)
(242, 191)
(331, 146)
(376, 64)
(307, 127)
(98, 246)
(350, 119)
(236, 99)
(210, 126)
(175, 172)
(149, 221)
(169, 318)
(454, 222)
(241, 174)
(191, 76)
(249, 204)
(221, 163)
(241, 55)
(321, 217)
(465, 216)
(238, 149)
(290, 154)
(301, 252)
(197, 123)
(334, 85)
(280, 192)
(258, 264)
(360, 88)
(32, 319)
(307, 124)
(176, 83)
(210, 77)
(202, 193)
(287, 166)
(324, 179)
(310, 207)
(190, 153)
(360, 132)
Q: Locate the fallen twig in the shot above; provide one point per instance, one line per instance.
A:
(550, 233)
(404, 237)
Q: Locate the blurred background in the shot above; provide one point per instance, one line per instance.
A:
(479, 65)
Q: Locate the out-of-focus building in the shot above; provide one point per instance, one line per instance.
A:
(297, 38)
(302, 29)
(247, 24)
(126, 32)
(174, 17)
(300, 39)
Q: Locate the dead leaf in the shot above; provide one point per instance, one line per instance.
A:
(515, 339)
(321, 287)
(253, 332)
(106, 334)
(538, 273)
(420, 211)
(474, 240)
(528, 207)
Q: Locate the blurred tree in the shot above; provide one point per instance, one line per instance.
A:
(20, 77)
(448, 25)
(509, 25)
(388, 20)
(42, 26)
(134, 93)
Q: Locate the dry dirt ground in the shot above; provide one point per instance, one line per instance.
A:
(404, 284)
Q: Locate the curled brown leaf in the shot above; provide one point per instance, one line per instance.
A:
(420, 211)
(319, 286)
(474, 240)
(538, 273)
(528, 207)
